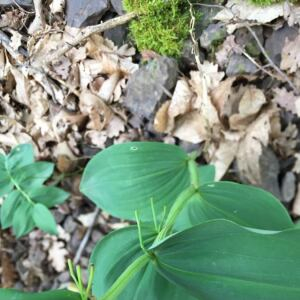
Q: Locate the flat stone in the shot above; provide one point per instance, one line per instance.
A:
(80, 13)
(239, 65)
(269, 172)
(117, 34)
(288, 188)
(275, 42)
(118, 6)
(212, 35)
(23, 3)
(146, 88)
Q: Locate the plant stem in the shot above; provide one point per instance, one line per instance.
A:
(125, 277)
(175, 210)
(193, 168)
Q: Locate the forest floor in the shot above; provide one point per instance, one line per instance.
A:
(71, 89)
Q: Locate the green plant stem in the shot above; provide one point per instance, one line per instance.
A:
(24, 194)
(175, 210)
(193, 169)
(125, 277)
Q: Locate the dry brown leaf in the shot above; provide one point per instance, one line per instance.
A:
(251, 146)
(161, 118)
(250, 104)
(100, 114)
(57, 255)
(108, 87)
(224, 155)
(290, 55)
(192, 127)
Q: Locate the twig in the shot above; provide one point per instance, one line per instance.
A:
(274, 66)
(193, 37)
(86, 238)
(85, 33)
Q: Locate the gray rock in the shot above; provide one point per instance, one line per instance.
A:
(288, 188)
(23, 3)
(80, 13)
(146, 88)
(275, 42)
(245, 39)
(69, 224)
(269, 171)
(118, 6)
(118, 35)
(238, 65)
(213, 35)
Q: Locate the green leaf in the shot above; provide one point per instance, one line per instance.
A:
(5, 185)
(113, 254)
(123, 178)
(33, 175)
(207, 174)
(10, 294)
(20, 156)
(43, 218)
(221, 260)
(9, 207)
(246, 205)
(48, 195)
(22, 220)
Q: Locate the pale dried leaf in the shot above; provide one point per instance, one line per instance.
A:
(290, 55)
(57, 6)
(244, 10)
(285, 99)
(57, 256)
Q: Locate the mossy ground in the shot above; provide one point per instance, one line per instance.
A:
(162, 26)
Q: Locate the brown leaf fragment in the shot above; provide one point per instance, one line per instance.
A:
(161, 118)
(9, 274)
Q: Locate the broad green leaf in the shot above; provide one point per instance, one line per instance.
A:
(5, 185)
(43, 218)
(22, 220)
(243, 204)
(48, 195)
(115, 253)
(220, 260)
(20, 156)
(10, 294)
(9, 207)
(123, 178)
(207, 174)
(33, 175)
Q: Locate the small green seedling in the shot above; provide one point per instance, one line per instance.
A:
(194, 238)
(26, 199)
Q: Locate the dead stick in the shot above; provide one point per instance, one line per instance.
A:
(86, 32)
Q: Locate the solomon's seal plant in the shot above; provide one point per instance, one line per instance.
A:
(194, 238)
(26, 199)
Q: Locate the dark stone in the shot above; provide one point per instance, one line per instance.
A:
(275, 42)
(187, 60)
(147, 87)
(269, 172)
(239, 65)
(246, 40)
(118, 6)
(80, 13)
(213, 35)
(23, 3)
(118, 35)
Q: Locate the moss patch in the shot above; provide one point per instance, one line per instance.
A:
(162, 26)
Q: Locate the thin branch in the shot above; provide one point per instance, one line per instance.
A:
(274, 66)
(85, 33)
(86, 238)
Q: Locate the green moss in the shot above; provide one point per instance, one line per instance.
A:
(162, 26)
(269, 2)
